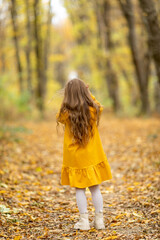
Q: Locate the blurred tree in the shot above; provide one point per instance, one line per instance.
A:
(28, 46)
(103, 13)
(47, 42)
(13, 12)
(60, 66)
(2, 39)
(153, 29)
(41, 51)
(141, 59)
(39, 56)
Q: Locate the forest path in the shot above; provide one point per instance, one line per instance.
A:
(34, 205)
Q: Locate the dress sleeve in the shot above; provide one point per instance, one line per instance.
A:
(98, 103)
(62, 118)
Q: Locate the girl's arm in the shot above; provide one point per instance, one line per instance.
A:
(98, 103)
(62, 117)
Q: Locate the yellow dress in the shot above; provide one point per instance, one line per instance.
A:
(83, 166)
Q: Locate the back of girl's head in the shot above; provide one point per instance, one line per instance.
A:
(76, 95)
(77, 100)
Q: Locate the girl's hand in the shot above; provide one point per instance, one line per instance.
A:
(87, 85)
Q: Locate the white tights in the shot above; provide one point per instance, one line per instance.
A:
(96, 199)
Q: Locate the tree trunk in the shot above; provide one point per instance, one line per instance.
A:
(157, 96)
(28, 48)
(16, 43)
(153, 30)
(141, 63)
(60, 73)
(102, 10)
(47, 45)
(112, 83)
(39, 57)
(2, 44)
(2, 39)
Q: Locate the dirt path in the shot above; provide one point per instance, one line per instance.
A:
(33, 204)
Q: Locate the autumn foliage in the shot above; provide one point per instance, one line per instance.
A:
(34, 205)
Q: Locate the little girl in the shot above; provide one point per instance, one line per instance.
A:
(84, 161)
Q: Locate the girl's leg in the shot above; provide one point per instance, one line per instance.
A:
(97, 198)
(83, 222)
(81, 200)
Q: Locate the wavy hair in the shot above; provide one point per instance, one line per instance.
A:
(77, 100)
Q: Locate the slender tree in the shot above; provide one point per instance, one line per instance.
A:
(28, 47)
(47, 43)
(39, 56)
(16, 43)
(2, 41)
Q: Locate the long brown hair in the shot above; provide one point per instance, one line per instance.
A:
(77, 100)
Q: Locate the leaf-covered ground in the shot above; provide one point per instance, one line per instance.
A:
(34, 205)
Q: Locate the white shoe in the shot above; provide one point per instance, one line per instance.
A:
(83, 223)
(98, 222)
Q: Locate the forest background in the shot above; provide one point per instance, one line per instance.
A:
(114, 46)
